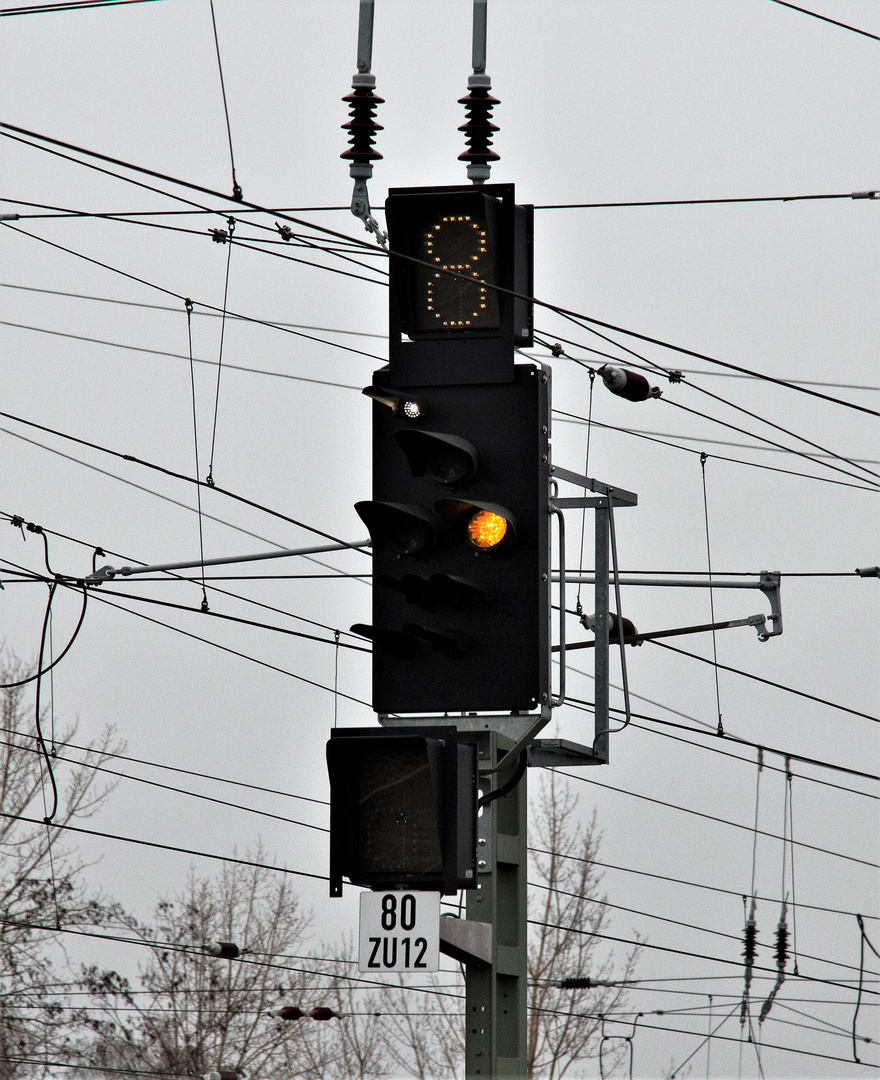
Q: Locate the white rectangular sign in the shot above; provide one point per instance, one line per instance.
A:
(399, 931)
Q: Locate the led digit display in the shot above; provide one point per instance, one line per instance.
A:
(447, 303)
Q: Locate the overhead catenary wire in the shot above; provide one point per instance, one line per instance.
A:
(67, 5)
(788, 449)
(262, 245)
(210, 314)
(236, 189)
(178, 296)
(711, 373)
(719, 820)
(819, 763)
(46, 142)
(678, 922)
(786, 431)
(71, 582)
(338, 249)
(654, 438)
(696, 884)
(724, 200)
(769, 682)
(704, 440)
(181, 356)
(149, 491)
(849, 790)
(163, 1010)
(650, 436)
(727, 1038)
(711, 729)
(636, 984)
(622, 1015)
(176, 475)
(227, 649)
(720, 201)
(652, 366)
(364, 333)
(288, 235)
(177, 213)
(585, 321)
(612, 905)
(337, 575)
(247, 957)
(117, 755)
(825, 18)
(682, 952)
(79, 829)
(818, 1025)
(168, 787)
(232, 618)
(170, 576)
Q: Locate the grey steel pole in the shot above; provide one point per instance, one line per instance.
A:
(478, 55)
(496, 1033)
(601, 631)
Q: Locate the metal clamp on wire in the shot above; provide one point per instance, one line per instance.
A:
(360, 202)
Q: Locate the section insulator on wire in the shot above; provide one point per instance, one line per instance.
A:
(750, 942)
(362, 127)
(628, 384)
(478, 128)
(781, 955)
(289, 1012)
(750, 951)
(226, 950)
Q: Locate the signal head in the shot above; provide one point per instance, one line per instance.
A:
(447, 459)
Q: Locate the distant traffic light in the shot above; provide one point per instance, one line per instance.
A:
(459, 515)
(403, 809)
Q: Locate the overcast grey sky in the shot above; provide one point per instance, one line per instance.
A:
(601, 102)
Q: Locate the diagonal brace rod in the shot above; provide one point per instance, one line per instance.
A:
(107, 573)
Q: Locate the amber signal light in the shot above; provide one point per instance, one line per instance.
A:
(487, 530)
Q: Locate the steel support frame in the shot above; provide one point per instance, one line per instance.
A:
(606, 498)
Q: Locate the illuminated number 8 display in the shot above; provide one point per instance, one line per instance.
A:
(457, 243)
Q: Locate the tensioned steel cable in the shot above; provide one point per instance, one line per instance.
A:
(584, 321)
(236, 189)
